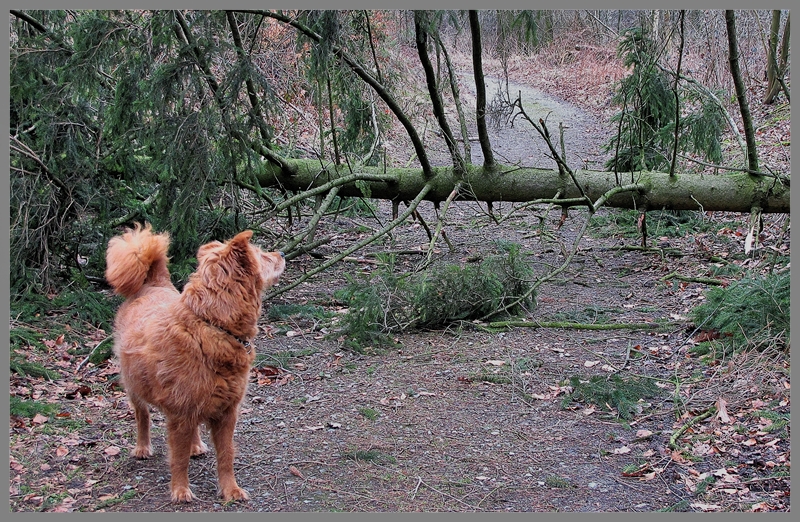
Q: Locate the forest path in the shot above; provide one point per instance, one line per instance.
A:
(515, 141)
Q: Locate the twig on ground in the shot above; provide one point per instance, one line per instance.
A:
(86, 360)
(690, 279)
(673, 440)
(576, 326)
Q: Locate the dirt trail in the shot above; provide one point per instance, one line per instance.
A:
(516, 142)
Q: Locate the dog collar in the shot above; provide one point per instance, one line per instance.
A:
(241, 341)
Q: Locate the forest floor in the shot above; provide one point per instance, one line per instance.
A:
(467, 418)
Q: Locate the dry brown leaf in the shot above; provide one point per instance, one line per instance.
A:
(111, 451)
(296, 472)
(66, 506)
(722, 412)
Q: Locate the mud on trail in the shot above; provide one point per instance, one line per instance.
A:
(468, 418)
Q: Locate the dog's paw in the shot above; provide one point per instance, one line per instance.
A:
(182, 494)
(199, 448)
(235, 493)
(142, 452)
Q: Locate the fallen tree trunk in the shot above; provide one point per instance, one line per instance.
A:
(731, 192)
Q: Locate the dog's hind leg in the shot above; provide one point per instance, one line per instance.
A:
(198, 446)
(180, 434)
(222, 436)
(141, 412)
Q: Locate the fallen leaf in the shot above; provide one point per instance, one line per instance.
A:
(296, 472)
(748, 242)
(677, 457)
(495, 362)
(589, 364)
(722, 412)
(621, 451)
(268, 371)
(111, 451)
(62, 451)
(643, 434)
(66, 506)
(761, 506)
(638, 472)
(39, 419)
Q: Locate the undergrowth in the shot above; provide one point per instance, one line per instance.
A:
(74, 314)
(750, 313)
(388, 303)
(667, 223)
(624, 394)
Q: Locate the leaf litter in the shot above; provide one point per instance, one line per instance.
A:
(443, 440)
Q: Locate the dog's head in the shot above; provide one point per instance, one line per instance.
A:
(230, 279)
(240, 260)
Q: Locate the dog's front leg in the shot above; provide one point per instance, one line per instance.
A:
(180, 434)
(222, 435)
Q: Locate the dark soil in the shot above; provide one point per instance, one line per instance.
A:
(467, 418)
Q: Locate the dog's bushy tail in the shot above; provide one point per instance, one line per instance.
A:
(136, 258)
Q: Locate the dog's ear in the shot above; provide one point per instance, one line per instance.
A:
(241, 239)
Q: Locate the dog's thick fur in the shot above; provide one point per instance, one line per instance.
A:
(188, 354)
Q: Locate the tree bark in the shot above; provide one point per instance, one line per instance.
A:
(421, 33)
(741, 93)
(480, 90)
(775, 71)
(730, 192)
(772, 57)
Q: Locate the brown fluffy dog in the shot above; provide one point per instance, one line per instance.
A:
(188, 354)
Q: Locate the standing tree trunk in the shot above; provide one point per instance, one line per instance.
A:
(480, 90)
(772, 58)
(741, 93)
(775, 70)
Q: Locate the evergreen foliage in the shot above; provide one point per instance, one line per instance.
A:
(123, 116)
(752, 312)
(387, 303)
(623, 394)
(646, 123)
